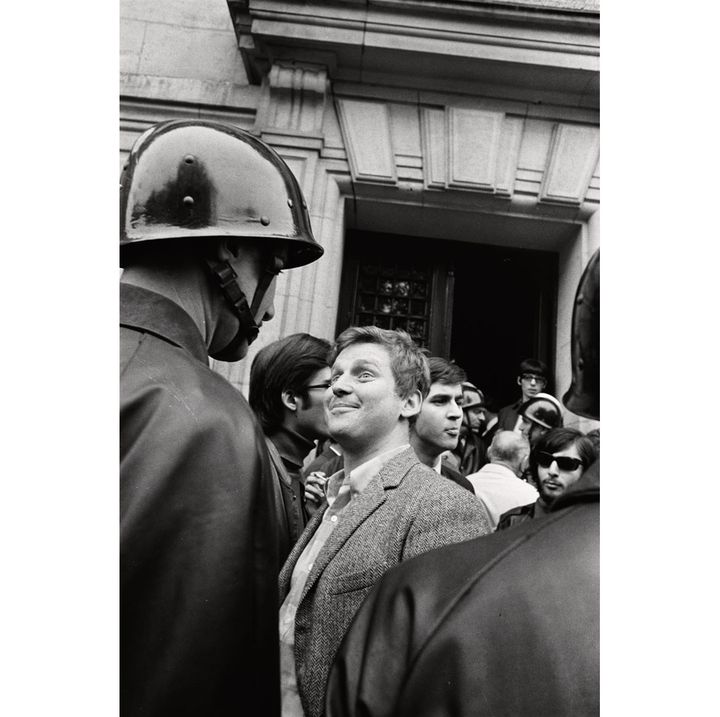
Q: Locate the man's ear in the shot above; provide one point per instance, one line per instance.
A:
(519, 381)
(226, 248)
(412, 405)
(289, 399)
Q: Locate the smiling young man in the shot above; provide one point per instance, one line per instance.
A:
(504, 625)
(384, 507)
(438, 425)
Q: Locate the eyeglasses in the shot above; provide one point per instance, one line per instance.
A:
(532, 377)
(564, 463)
(323, 386)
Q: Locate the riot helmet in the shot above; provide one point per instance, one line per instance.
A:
(196, 181)
(544, 410)
(477, 400)
(583, 396)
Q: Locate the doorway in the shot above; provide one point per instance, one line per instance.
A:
(486, 307)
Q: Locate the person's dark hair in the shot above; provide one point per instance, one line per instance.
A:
(536, 366)
(557, 440)
(445, 372)
(407, 360)
(285, 364)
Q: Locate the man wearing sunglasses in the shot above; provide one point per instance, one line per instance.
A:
(288, 380)
(556, 463)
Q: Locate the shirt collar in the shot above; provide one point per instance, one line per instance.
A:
(360, 476)
(148, 311)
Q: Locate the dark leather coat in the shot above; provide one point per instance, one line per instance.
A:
(198, 552)
(506, 624)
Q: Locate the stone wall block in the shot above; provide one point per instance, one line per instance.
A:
(170, 51)
(366, 130)
(434, 147)
(132, 36)
(405, 134)
(508, 155)
(473, 138)
(329, 227)
(573, 156)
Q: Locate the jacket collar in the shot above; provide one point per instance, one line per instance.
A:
(291, 446)
(393, 472)
(358, 510)
(148, 311)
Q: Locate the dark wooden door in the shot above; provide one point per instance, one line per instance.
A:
(484, 306)
(397, 282)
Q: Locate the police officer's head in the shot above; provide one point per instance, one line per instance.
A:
(473, 406)
(206, 193)
(539, 415)
(583, 397)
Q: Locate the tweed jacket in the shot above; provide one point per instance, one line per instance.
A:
(504, 626)
(405, 510)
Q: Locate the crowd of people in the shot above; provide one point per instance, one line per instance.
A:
(360, 537)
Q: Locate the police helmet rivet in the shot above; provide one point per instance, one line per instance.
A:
(189, 159)
(290, 203)
(188, 201)
(264, 221)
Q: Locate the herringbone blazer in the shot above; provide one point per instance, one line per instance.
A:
(405, 510)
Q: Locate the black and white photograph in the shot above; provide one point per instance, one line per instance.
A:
(350, 464)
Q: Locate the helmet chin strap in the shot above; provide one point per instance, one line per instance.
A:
(250, 317)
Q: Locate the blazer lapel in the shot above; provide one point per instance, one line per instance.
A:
(359, 509)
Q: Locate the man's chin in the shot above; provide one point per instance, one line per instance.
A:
(230, 355)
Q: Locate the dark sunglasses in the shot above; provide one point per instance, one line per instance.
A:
(323, 386)
(564, 463)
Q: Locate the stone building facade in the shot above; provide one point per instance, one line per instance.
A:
(448, 152)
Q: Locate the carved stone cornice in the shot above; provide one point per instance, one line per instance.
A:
(429, 148)
(535, 48)
(292, 100)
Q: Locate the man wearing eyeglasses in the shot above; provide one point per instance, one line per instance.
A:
(288, 380)
(532, 379)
